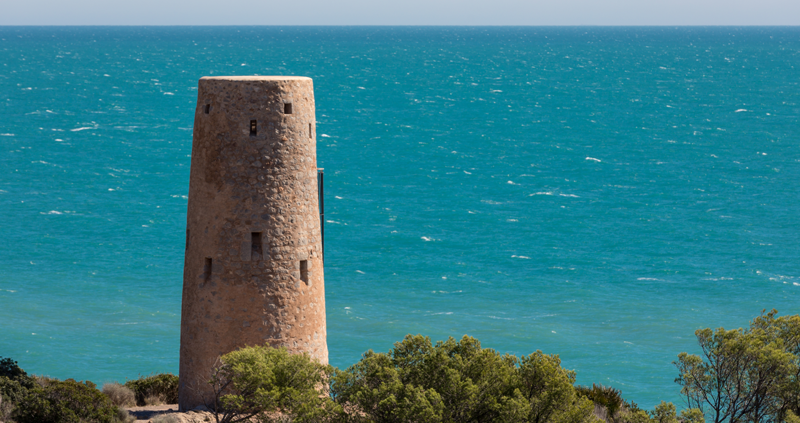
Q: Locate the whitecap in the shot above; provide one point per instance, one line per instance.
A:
(541, 193)
(167, 93)
(512, 183)
(325, 136)
(522, 257)
(468, 173)
(741, 110)
(496, 91)
(6, 135)
(337, 197)
(361, 88)
(568, 195)
(490, 202)
(592, 158)
(425, 238)
(647, 279)
(512, 220)
(54, 212)
(83, 128)
(358, 271)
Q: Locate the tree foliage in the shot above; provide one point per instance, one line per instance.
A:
(744, 375)
(270, 385)
(458, 381)
(161, 385)
(67, 401)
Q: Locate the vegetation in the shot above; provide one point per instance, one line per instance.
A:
(155, 389)
(745, 375)
(120, 395)
(66, 401)
(749, 375)
(458, 381)
(270, 385)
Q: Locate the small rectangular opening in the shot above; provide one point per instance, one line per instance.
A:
(304, 270)
(287, 108)
(207, 269)
(253, 128)
(310, 131)
(206, 108)
(255, 243)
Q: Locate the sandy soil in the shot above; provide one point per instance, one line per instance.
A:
(150, 412)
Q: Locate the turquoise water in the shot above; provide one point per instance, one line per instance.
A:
(599, 193)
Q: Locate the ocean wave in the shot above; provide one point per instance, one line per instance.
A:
(83, 128)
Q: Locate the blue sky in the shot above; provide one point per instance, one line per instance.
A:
(400, 12)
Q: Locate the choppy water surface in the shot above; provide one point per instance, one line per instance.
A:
(599, 193)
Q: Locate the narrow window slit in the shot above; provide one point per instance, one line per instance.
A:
(310, 131)
(253, 128)
(287, 108)
(207, 269)
(206, 108)
(304, 270)
(255, 249)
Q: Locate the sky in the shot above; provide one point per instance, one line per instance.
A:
(400, 12)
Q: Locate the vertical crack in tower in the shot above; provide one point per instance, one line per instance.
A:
(253, 268)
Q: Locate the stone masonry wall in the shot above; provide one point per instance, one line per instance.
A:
(253, 267)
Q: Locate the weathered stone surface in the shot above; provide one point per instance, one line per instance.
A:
(253, 269)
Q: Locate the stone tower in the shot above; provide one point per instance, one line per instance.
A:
(253, 267)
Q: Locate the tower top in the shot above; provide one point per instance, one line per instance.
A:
(257, 78)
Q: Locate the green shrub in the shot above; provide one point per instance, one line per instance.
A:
(14, 386)
(271, 385)
(607, 396)
(161, 387)
(458, 381)
(120, 395)
(694, 415)
(66, 401)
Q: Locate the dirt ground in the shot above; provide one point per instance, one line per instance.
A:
(150, 412)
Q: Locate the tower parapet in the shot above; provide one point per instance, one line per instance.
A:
(253, 266)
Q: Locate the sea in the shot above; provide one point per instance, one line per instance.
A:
(599, 193)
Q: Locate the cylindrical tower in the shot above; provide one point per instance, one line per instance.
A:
(253, 267)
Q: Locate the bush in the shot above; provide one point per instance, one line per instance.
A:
(458, 381)
(270, 384)
(160, 388)
(66, 402)
(120, 395)
(605, 396)
(14, 386)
